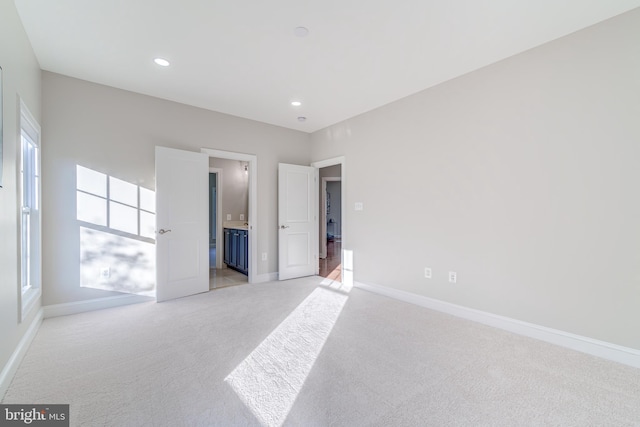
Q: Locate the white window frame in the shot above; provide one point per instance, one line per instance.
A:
(29, 192)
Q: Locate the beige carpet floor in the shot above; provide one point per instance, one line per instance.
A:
(298, 354)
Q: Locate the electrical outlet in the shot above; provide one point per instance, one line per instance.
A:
(241, 217)
(427, 273)
(105, 273)
(453, 277)
(359, 206)
(228, 217)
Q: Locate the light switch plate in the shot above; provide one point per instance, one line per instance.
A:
(359, 206)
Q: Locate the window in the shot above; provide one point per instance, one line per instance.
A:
(30, 275)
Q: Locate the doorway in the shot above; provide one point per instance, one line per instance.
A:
(182, 257)
(229, 255)
(331, 218)
(245, 163)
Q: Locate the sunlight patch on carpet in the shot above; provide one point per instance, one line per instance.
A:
(337, 284)
(270, 378)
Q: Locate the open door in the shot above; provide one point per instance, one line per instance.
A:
(182, 224)
(297, 213)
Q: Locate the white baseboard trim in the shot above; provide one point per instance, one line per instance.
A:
(13, 363)
(267, 277)
(76, 307)
(625, 355)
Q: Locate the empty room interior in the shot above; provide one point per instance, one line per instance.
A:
(310, 213)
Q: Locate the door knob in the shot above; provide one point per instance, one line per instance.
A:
(162, 231)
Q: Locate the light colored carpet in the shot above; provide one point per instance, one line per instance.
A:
(297, 354)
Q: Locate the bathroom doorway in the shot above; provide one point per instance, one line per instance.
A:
(230, 260)
(232, 209)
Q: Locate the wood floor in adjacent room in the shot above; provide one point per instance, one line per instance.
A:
(331, 267)
(298, 353)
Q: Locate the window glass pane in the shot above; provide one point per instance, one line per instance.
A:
(147, 200)
(91, 208)
(91, 181)
(23, 141)
(147, 225)
(25, 244)
(36, 162)
(23, 172)
(36, 204)
(29, 154)
(123, 218)
(123, 192)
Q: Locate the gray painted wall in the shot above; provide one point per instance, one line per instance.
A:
(21, 78)
(334, 188)
(114, 132)
(332, 171)
(235, 188)
(522, 177)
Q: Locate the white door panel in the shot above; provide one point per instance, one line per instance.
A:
(297, 243)
(184, 262)
(297, 186)
(182, 259)
(296, 257)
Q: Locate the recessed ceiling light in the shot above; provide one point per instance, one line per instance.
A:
(302, 119)
(162, 62)
(301, 31)
(296, 103)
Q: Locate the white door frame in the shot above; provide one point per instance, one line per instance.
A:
(219, 237)
(343, 177)
(252, 160)
(323, 213)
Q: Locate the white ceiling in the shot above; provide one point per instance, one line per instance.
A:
(241, 57)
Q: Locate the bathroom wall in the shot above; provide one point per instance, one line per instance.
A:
(235, 188)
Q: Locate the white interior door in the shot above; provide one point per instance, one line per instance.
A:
(182, 223)
(297, 213)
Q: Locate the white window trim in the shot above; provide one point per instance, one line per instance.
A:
(28, 299)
